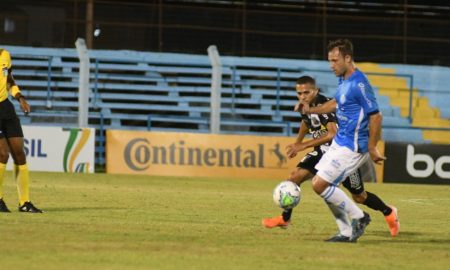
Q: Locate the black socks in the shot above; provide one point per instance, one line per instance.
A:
(287, 214)
(374, 202)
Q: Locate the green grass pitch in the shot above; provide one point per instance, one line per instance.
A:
(140, 222)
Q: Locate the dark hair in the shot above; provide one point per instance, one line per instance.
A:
(344, 45)
(305, 80)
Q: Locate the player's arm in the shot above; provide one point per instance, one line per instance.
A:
(298, 146)
(327, 107)
(375, 121)
(369, 103)
(332, 129)
(15, 92)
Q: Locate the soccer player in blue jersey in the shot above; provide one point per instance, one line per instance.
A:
(357, 136)
(322, 128)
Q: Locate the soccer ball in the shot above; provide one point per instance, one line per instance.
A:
(287, 195)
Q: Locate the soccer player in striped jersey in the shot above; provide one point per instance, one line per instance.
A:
(323, 128)
(11, 136)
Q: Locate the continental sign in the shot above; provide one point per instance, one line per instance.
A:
(189, 154)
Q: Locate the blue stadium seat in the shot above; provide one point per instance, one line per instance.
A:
(432, 82)
(402, 135)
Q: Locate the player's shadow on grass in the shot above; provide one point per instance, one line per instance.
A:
(406, 237)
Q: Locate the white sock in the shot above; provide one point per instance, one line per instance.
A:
(336, 196)
(342, 221)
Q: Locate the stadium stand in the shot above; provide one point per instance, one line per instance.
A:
(430, 95)
(432, 105)
(171, 92)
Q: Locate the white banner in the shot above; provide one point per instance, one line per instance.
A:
(55, 149)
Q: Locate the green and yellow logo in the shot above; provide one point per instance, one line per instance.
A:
(73, 149)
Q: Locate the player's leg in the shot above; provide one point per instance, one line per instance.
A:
(14, 136)
(342, 208)
(305, 170)
(343, 223)
(20, 168)
(332, 170)
(355, 185)
(22, 175)
(298, 176)
(389, 212)
(308, 163)
(4, 155)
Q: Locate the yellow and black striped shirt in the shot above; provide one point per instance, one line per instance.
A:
(5, 63)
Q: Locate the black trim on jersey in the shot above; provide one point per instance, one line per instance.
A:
(374, 112)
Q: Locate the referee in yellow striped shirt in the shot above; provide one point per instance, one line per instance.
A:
(11, 136)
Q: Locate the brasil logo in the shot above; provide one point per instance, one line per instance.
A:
(73, 149)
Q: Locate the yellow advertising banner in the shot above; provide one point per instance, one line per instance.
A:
(193, 154)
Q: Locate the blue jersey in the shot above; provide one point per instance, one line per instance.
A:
(355, 103)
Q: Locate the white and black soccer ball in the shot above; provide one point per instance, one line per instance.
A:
(287, 195)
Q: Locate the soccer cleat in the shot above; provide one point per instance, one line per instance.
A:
(29, 208)
(275, 222)
(392, 221)
(3, 207)
(359, 225)
(340, 238)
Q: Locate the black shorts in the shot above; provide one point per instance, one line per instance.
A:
(9, 122)
(353, 183)
(310, 160)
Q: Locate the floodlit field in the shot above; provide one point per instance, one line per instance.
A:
(136, 222)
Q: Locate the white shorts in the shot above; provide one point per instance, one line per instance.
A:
(338, 163)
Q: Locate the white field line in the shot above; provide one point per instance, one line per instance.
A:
(425, 201)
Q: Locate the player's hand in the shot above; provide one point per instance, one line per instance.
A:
(290, 151)
(298, 107)
(293, 149)
(305, 108)
(376, 156)
(24, 106)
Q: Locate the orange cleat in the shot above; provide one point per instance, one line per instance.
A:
(392, 221)
(275, 222)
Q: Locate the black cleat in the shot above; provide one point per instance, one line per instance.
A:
(29, 208)
(359, 225)
(3, 207)
(340, 238)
